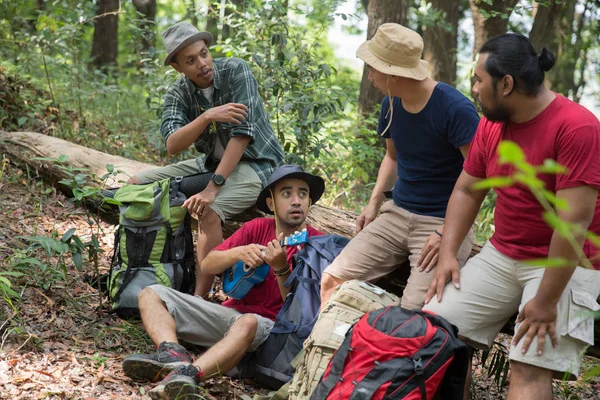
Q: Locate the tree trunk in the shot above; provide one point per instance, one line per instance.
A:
(554, 28)
(212, 22)
(544, 24)
(191, 12)
(487, 28)
(23, 147)
(379, 12)
(105, 43)
(440, 42)
(148, 10)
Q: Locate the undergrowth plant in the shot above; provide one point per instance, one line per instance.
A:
(61, 250)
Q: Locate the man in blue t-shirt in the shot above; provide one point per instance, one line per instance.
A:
(428, 127)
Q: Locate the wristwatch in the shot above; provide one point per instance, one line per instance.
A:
(219, 180)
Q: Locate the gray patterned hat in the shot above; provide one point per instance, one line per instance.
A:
(180, 35)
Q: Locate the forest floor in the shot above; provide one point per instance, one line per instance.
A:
(58, 342)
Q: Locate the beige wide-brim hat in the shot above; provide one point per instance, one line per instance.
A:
(181, 35)
(395, 50)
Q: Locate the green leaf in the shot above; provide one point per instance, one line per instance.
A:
(530, 181)
(553, 262)
(493, 182)
(11, 273)
(21, 121)
(95, 242)
(28, 262)
(78, 261)
(592, 373)
(77, 242)
(510, 152)
(110, 168)
(68, 234)
(550, 166)
(504, 374)
(63, 158)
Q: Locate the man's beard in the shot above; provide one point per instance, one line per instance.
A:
(498, 114)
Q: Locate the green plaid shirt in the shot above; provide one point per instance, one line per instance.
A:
(233, 83)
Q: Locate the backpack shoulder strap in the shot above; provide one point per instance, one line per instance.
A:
(337, 366)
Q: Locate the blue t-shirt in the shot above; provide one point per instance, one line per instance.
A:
(427, 148)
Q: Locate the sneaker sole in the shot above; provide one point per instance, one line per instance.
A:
(174, 391)
(149, 370)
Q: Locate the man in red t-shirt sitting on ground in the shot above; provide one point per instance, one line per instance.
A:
(237, 326)
(555, 305)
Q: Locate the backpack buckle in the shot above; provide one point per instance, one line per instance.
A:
(418, 366)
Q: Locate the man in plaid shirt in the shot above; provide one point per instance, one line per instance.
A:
(214, 106)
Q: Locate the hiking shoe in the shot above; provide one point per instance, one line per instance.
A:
(181, 383)
(155, 366)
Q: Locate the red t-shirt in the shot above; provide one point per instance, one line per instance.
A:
(264, 298)
(565, 132)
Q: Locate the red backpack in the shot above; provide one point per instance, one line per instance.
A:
(393, 353)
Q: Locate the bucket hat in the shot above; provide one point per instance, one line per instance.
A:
(395, 50)
(316, 184)
(180, 35)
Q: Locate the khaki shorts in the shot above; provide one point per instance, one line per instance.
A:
(494, 287)
(395, 236)
(238, 194)
(204, 323)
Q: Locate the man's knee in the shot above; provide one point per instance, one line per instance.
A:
(134, 180)
(148, 298)
(413, 298)
(521, 372)
(210, 222)
(246, 326)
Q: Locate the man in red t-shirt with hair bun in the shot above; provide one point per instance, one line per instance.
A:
(556, 305)
(237, 326)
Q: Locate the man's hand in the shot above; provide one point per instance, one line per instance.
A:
(234, 113)
(252, 255)
(367, 216)
(447, 268)
(536, 318)
(429, 253)
(275, 255)
(200, 202)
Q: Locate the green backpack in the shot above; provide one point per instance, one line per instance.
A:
(153, 244)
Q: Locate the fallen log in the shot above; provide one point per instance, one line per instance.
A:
(28, 147)
(24, 147)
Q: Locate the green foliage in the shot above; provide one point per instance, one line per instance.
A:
(6, 287)
(499, 363)
(526, 174)
(290, 63)
(484, 224)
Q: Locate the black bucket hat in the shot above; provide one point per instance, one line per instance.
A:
(316, 184)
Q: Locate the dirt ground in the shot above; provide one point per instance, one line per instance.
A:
(58, 342)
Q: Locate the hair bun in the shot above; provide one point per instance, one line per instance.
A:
(546, 59)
